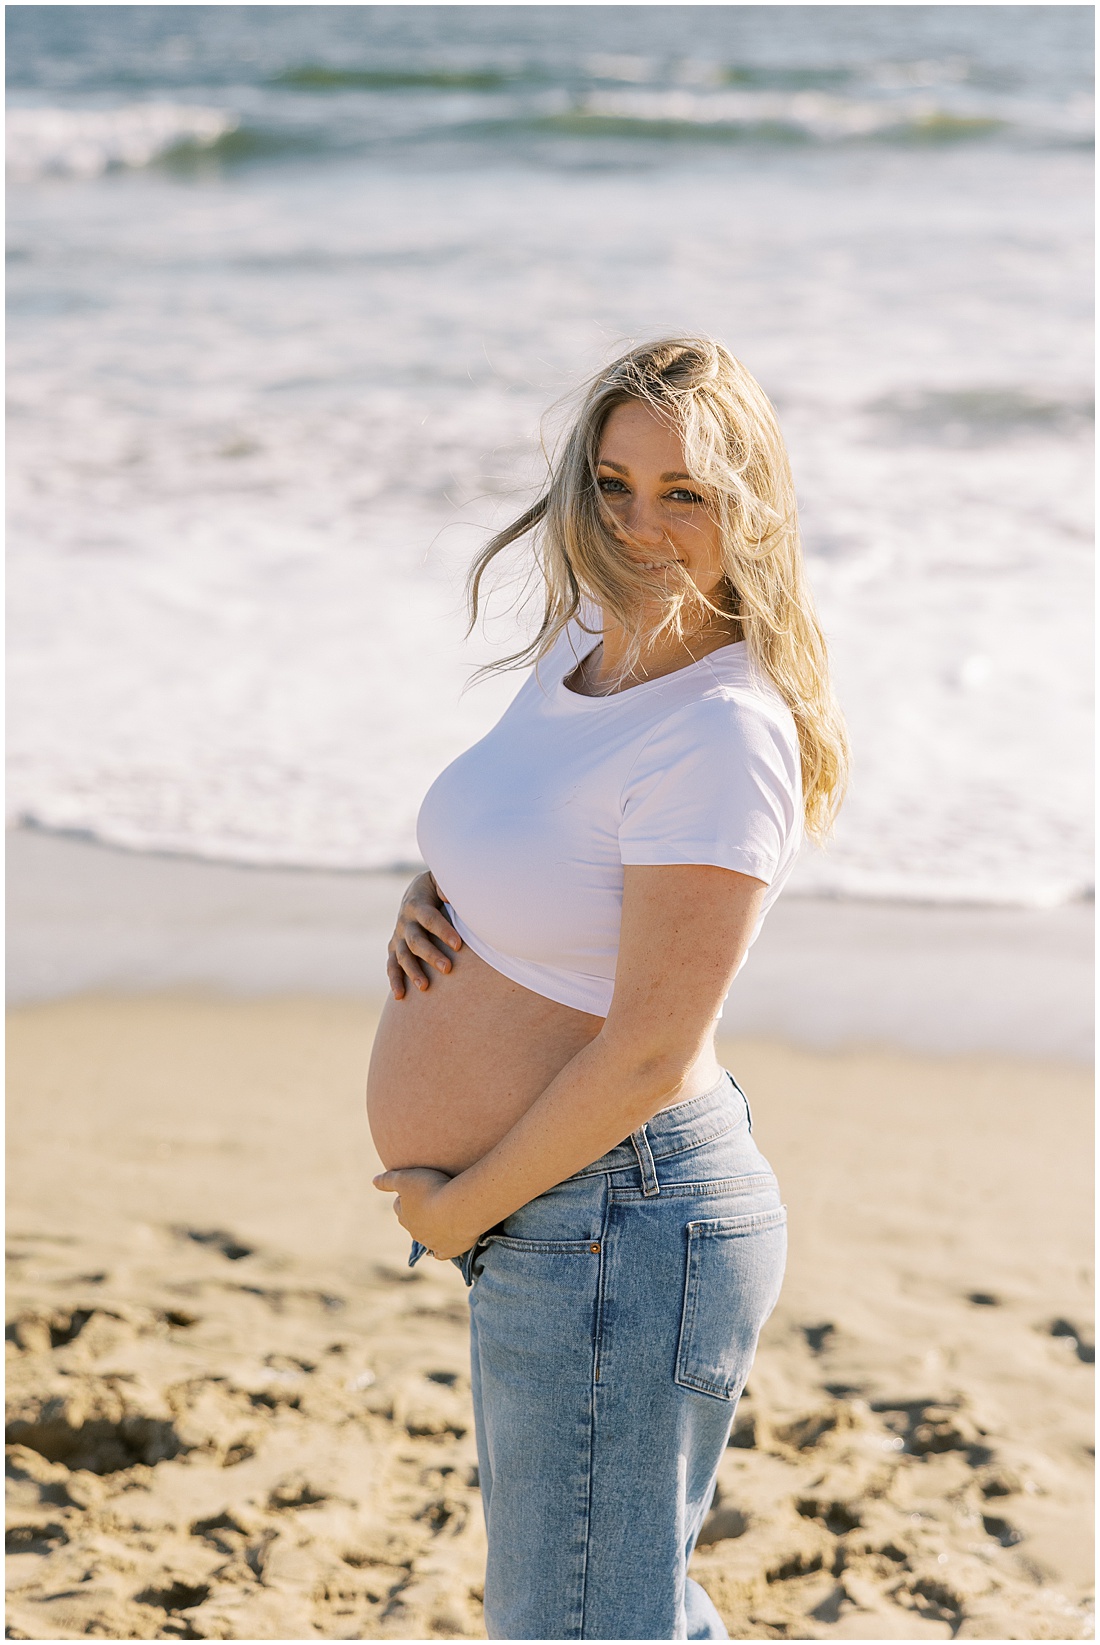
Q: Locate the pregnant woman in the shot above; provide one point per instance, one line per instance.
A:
(543, 1089)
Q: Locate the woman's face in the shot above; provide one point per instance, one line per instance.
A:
(664, 518)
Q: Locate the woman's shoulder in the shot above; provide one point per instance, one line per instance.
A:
(722, 755)
(731, 693)
(721, 721)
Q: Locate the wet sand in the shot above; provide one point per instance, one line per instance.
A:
(83, 917)
(236, 1413)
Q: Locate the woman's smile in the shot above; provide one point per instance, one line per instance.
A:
(607, 868)
(652, 503)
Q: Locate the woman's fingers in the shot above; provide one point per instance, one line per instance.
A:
(421, 944)
(435, 921)
(410, 965)
(412, 947)
(432, 919)
(396, 977)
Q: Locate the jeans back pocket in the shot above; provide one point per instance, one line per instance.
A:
(734, 1271)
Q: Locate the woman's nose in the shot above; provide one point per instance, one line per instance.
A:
(644, 521)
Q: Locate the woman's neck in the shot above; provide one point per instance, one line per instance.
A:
(603, 671)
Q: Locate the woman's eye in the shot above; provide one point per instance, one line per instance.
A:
(606, 484)
(682, 496)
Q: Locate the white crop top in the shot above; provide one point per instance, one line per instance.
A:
(528, 831)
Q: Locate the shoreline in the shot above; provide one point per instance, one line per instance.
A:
(265, 1414)
(825, 973)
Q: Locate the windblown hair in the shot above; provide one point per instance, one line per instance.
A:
(736, 456)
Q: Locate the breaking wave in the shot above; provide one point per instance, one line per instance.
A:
(810, 116)
(57, 142)
(501, 110)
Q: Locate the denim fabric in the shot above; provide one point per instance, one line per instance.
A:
(613, 1324)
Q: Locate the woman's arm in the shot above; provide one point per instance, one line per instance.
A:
(684, 932)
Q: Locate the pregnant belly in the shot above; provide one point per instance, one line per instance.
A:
(453, 1068)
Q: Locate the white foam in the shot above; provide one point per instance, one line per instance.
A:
(65, 142)
(246, 416)
(829, 116)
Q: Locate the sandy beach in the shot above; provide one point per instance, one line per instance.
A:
(298, 299)
(237, 1414)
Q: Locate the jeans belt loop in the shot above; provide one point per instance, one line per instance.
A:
(650, 1185)
(744, 1099)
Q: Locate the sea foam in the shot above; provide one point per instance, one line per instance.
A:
(67, 142)
(266, 405)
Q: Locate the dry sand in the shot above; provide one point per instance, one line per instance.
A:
(238, 1415)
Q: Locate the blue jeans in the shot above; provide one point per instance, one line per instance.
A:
(613, 1324)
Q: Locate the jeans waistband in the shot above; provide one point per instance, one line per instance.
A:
(673, 1131)
(677, 1130)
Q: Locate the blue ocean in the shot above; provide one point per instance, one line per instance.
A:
(296, 295)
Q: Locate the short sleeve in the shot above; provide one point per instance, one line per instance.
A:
(718, 782)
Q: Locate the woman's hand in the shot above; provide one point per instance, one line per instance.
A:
(423, 1208)
(419, 919)
(685, 929)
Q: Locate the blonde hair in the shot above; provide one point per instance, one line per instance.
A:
(735, 453)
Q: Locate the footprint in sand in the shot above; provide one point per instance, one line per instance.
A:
(1084, 1343)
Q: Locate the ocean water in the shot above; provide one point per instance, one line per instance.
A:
(292, 288)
